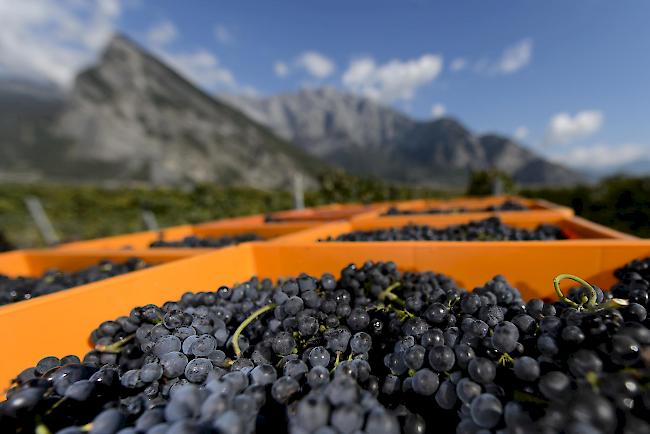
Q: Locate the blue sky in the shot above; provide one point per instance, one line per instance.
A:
(569, 79)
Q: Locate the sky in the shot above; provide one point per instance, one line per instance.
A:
(568, 79)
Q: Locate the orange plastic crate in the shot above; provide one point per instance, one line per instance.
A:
(253, 219)
(324, 213)
(575, 228)
(142, 240)
(335, 211)
(60, 324)
(33, 263)
(538, 207)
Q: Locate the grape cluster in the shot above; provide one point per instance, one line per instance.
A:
(194, 241)
(508, 205)
(633, 285)
(13, 289)
(490, 229)
(376, 350)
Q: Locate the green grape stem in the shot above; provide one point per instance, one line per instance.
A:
(505, 359)
(246, 322)
(388, 294)
(590, 302)
(115, 347)
(402, 314)
(592, 379)
(337, 361)
(56, 404)
(528, 397)
(41, 428)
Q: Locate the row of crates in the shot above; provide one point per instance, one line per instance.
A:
(60, 323)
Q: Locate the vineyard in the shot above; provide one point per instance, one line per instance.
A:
(83, 212)
(354, 217)
(469, 315)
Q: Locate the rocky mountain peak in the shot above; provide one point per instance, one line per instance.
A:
(364, 136)
(131, 117)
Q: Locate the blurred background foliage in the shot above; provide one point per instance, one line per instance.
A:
(619, 202)
(82, 212)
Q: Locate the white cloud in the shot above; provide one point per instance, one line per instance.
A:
(249, 91)
(520, 133)
(162, 34)
(394, 80)
(281, 69)
(512, 59)
(359, 72)
(52, 39)
(458, 64)
(602, 156)
(200, 66)
(564, 128)
(222, 34)
(515, 57)
(438, 110)
(316, 64)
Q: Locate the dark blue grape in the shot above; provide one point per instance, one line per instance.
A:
(425, 382)
(526, 368)
(482, 370)
(319, 356)
(446, 396)
(505, 337)
(486, 410)
(284, 388)
(442, 358)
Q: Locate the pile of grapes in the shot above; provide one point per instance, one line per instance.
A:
(490, 229)
(194, 241)
(13, 289)
(508, 205)
(377, 351)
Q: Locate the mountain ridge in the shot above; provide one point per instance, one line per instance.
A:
(132, 117)
(441, 151)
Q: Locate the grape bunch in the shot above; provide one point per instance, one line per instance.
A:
(508, 205)
(633, 285)
(194, 241)
(490, 229)
(377, 350)
(13, 289)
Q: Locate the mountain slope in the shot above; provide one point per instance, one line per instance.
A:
(350, 132)
(324, 121)
(27, 109)
(365, 137)
(133, 118)
(524, 165)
